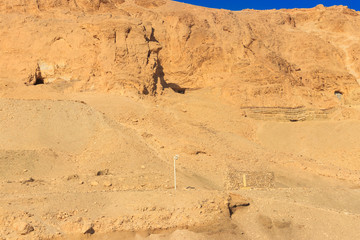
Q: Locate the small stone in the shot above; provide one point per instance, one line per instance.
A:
(72, 177)
(27, 180)
(23, 228)
(107, 184)
(88, 228)
(147, 135)
(142, 167)
(102, 172)
(94, 183)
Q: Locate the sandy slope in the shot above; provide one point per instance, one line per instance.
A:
(135, 140)
(114, 89)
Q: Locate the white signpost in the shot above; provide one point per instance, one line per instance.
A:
(176, 157)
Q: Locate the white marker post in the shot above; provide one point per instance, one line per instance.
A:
(244, 180)
(176, 157)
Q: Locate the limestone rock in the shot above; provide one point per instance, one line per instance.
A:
(94, 183)
(107, 184)
(23, 228)
(88, 228)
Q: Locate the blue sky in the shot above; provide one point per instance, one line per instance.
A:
(269, 4)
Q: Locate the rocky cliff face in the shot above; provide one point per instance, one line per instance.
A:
(284, 58)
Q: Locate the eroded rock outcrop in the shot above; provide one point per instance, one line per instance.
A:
(284, 58)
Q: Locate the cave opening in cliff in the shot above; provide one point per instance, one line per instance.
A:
(39, 80)
(338, 94)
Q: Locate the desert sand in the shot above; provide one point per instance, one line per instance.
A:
(97, 97)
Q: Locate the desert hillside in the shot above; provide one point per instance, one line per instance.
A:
(98, 96)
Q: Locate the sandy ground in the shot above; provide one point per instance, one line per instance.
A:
(105, 161)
